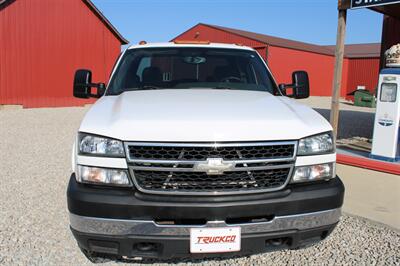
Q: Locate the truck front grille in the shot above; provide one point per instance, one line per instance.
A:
(210, 168)
(165, 181)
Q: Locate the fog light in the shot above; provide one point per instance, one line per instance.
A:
(105, 176)
(314, 172)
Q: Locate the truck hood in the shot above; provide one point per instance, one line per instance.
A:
(201, 115)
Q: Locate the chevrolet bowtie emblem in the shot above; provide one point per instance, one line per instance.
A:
(214, 166)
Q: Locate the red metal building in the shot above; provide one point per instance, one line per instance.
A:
(361, 63)
(43, 42)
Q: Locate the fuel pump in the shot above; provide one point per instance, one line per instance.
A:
(386, 138)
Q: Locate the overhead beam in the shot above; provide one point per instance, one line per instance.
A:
(344, 4)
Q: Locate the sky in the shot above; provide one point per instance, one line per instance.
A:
(312, 21)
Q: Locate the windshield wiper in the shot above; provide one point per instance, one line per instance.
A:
(223, 88)
(146, 87)
(149, 87)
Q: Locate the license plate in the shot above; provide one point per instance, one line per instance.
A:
(215, 240)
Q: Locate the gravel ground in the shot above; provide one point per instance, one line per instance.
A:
(35, 147)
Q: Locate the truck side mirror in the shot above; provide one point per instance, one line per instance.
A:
(300, 86)
(83, 85)
(82, 79)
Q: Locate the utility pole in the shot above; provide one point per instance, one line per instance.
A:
(337, 78)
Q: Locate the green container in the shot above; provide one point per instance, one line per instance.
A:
(364, 98)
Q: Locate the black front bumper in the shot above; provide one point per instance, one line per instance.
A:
(129, 204)
(178, 247)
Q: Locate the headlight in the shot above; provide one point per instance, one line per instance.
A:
(314, 172)
(95, 145)
(317, 144)
(102, 176)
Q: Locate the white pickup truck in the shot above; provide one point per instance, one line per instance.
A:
(193, 150)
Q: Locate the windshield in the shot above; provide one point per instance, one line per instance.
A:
(187, 68)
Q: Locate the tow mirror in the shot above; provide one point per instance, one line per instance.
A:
(300, 85)
(83, 85)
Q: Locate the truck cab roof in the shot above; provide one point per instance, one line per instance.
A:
(191, 44)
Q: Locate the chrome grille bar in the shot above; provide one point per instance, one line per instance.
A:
(210, 144)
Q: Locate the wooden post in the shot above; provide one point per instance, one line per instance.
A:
(337, 78)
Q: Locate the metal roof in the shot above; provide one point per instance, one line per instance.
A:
(93, 8)
(105, 21)
(275, 41)
(362, 50)
(351, 50)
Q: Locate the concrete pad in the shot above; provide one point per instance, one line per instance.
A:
(10, 106)
(371, 194)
